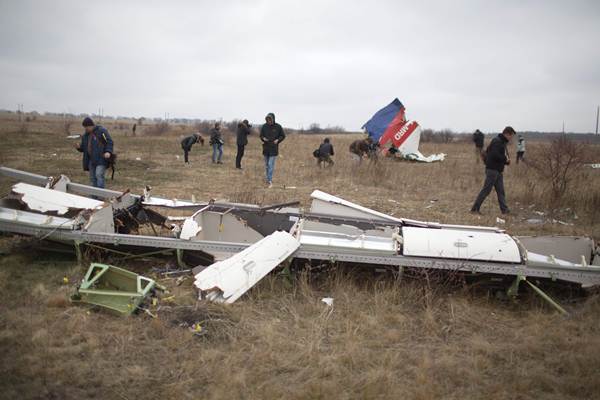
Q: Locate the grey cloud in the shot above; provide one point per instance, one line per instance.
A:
(460, 65)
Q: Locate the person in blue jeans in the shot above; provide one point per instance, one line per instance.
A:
(271, 134)
(97, 148)
(216, 140)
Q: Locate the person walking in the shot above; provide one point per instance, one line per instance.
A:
(188, 142)
(216, 141)
(520, 148)
(97, 148)
(243, 130)
(271, 134)
(496, 158)
(324, 153)
(478, 140)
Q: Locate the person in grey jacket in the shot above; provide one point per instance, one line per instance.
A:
(216, 141)
(243, 130)
(271, 134)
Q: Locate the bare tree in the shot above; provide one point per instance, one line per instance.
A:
(558, 165)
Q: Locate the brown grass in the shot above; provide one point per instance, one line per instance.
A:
(384, 338)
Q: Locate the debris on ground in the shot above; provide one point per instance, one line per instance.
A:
(114, 288)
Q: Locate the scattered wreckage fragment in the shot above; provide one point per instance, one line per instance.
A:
(334, 229)
(114, 288)
(390, 125)
(227, 280)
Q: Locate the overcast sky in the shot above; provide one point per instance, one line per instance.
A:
(454, 64)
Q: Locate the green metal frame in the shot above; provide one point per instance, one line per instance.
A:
(114, 288)
(513, 290)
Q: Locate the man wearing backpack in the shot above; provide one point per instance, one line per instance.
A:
(324, 153)
(216, 141)
(97, 148)
(496, 157)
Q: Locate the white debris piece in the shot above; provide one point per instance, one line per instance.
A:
(48, 200)
(459, 244)
(227, 280)
(500, 220)
(174, 203)
(9, 215)
(189, 229)
(328, 301)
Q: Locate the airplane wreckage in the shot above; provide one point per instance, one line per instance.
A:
(235, 245)
(389, 125)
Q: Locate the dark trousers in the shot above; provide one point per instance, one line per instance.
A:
(520, 155)
(325, 159)
(239, 156)
(185, 154)
(493, 179)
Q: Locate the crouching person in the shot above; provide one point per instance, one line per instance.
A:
(324, 153)
(188, 142)
(97, 148)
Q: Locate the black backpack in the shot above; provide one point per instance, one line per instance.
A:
(112, 161)
(316, 153)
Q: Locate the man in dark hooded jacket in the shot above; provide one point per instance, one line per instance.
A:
(243, 130)
(97, 148)
(188, 142)
(271, 134)
(496, 157)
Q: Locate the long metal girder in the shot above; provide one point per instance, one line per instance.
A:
(75, 188)
(586, 276)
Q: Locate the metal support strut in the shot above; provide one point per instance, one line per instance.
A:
(514, 289)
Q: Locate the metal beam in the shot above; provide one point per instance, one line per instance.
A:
(587, 276)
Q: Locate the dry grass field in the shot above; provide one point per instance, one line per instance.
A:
(384, 338)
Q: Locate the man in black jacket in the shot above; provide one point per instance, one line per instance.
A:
(243, 130)
(271, 134)
(478, 140)
(325, 153)
(496, 157)
(188, 142)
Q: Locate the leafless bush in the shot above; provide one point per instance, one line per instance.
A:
(67, 126)
(443, 136)
(158, 129)
(557, 166)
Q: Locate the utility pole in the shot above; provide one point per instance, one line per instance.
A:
(563, 127)
(597, 115)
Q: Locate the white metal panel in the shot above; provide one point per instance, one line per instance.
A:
(325, 203)
(334, 240)
(172, 203)
(9, 214)
(227, 280)
(48, 200)
(459, 244)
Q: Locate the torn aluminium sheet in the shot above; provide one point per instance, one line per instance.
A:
(227, 280)
(46, 200)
